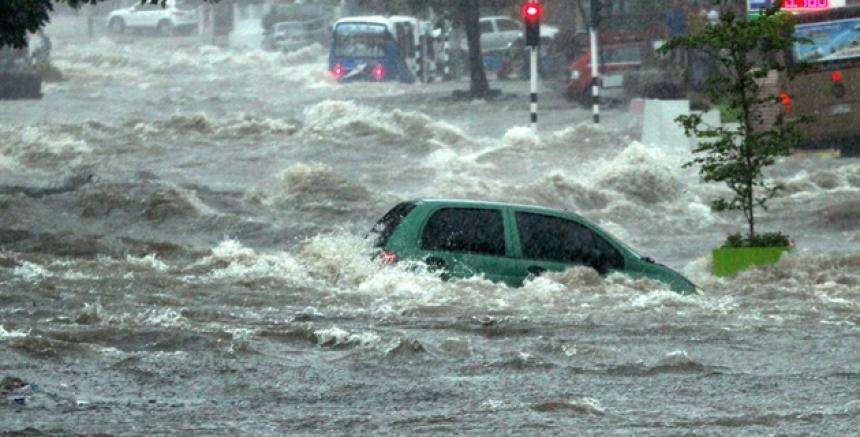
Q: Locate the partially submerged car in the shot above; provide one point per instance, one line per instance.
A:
(618, 60)
(507, 243)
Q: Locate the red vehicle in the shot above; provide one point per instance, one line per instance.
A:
(617, 59)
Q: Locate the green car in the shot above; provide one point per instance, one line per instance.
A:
(507, 243)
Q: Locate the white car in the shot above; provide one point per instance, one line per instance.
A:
(177, 15)
(500, 33)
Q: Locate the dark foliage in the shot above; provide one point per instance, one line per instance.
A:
(774, 239)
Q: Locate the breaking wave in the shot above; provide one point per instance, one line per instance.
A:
(40, 148)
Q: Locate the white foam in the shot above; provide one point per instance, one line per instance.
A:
(4, 334)
(150, 261)
(29, 271)
(334, 336)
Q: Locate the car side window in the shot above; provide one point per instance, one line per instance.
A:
(486, 27)
(548, 238)
(507, 25)
(466, 230)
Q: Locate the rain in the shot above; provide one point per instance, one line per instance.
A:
(189, 194)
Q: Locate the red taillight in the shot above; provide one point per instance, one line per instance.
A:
(379, 72)
(387, 257)
(338, 71)
(837, 76)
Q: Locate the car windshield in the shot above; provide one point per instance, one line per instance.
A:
(360, 40)
(828, 41)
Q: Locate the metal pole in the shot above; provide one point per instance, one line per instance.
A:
(595, 75)
(534, 86)
(446, 51)
(425, 76)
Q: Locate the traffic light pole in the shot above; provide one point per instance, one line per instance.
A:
(532, 11)
(534, 86)
(596, 7)
(595, 75)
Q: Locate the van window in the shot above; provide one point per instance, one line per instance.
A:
(360, 40)
(554, 239)
(465, 230)
(386, 226)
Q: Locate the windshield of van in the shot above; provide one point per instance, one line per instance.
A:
(360, 40)
(828, 41)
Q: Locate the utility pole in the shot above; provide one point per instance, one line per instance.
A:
(532, 12)
(595, 59)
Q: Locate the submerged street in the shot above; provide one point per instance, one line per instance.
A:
(213, 276)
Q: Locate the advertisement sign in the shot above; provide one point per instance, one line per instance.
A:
(795, 5)
(828, 41)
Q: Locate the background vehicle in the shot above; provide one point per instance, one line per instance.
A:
(367, 48)
(292, 26)
(616, 60)
(176, 16)
(501, 33)
(829, 90)
(507, 243)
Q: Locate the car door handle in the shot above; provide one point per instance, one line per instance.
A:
(536, 270)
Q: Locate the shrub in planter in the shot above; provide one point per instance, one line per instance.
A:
(745, 51)
(740, 252)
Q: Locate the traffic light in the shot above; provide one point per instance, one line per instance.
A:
(532, 12)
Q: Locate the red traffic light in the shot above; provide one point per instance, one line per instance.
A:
(532, 11)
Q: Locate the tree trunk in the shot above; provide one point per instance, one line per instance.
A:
(479, 87)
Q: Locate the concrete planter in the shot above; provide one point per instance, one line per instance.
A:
(730, 260)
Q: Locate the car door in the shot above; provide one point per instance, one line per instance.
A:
(545, 242)
(468, 241)
(143, 15)
(508, 31)
(488, 36)
(617, 61)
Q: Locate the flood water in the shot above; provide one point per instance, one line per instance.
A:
(213, 277)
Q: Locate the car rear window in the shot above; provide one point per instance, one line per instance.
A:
(465, 230)
(385, 227)
(555, 239)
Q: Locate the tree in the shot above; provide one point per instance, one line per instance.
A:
(745, 52)
(471, 14)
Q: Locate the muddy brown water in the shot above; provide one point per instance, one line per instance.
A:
(213, 278)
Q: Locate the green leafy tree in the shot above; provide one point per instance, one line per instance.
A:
(745, 52)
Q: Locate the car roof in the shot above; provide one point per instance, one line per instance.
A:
(481, 203)
(374, 19)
